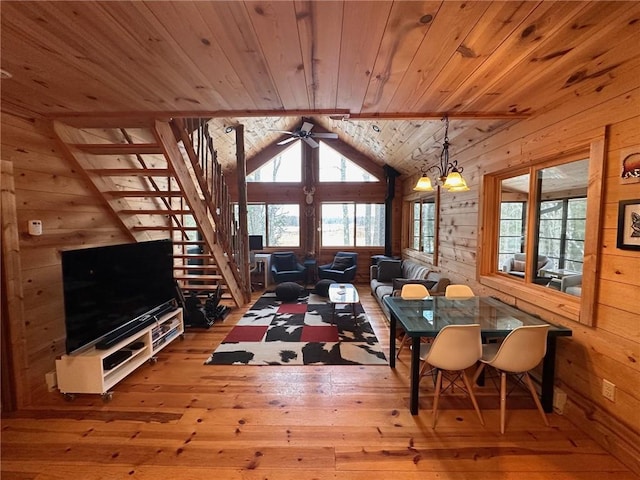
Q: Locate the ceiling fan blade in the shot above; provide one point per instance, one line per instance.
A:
(324, 135)
(281, 131)
(287, 140)
(306, 127)
(311, 142)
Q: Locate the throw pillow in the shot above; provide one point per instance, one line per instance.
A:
(285, 263)
(398, 283)
(518, 266)
(388, 270)
(341, 263)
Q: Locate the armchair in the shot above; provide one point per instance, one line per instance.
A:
(286, 268)
(342, 269)
(516, 265)
(572, 284)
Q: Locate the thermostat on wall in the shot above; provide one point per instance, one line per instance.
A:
(35, 227)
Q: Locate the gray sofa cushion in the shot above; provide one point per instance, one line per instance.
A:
(413, 270)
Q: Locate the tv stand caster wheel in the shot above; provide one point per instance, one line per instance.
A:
(69, 397)
(107, 397)
(153, 360)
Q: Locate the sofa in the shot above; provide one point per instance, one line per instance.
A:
(389, 275)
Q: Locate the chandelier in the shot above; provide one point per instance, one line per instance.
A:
(448, 171)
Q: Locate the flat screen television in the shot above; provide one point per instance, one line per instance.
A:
(110, 290)
(255, 242)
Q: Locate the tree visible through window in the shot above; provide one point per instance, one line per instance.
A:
(279, 224)
(334, 167)
(284, 167)
(424, 225)
(352, 224)
(562, 228)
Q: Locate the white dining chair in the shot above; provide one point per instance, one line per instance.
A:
(411, 291)
(518, 353)
(455, 348)
(458, 291)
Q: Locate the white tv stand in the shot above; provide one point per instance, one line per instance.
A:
(85, 372)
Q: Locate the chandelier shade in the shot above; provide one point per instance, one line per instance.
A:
(424, 184)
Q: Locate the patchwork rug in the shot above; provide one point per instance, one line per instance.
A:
(273, 332)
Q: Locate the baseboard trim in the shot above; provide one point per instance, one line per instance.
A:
(618, 439)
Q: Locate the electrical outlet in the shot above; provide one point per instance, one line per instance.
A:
(608, 390)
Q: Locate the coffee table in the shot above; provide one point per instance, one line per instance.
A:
(343, 293)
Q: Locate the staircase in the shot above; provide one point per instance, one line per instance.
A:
(161, 179)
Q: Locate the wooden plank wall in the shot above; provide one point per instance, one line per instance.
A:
(47, 188)
(611, 348)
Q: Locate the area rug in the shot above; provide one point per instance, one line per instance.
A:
(302, 332)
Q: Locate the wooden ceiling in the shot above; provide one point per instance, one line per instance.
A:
(345, 65)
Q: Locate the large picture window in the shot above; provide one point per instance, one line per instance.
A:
(335, 167)
(279, 224)
(352, 224)
(284, 167)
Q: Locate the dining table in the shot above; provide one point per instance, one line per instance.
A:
(426, 317)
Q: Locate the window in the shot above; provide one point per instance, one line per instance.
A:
(512, 230)
(352, 224)
(557, 240)
(279, 224)
(334, 167)
(424, 225)
(561, 232)
(285, 167)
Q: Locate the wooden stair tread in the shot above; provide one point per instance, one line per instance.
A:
(119, 148)
(142, 193)
(197, 277)
(130, 172)
(192, 255)
(164, 227)
(196, 267)
(158, 211)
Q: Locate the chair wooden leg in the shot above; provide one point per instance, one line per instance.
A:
(503, 399)
(477, 373)
(403, 341)
(465, 378)
(535, 398)
(436, 397)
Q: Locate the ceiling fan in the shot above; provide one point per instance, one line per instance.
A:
(304, 133)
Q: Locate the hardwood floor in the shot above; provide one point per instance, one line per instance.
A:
(179, 419)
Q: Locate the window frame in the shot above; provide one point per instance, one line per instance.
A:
(265, 234)
(580, 309)
(407, 233)
(354, 223)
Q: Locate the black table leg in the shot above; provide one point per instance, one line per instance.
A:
(548, 374)
(392, 341)
(415, 372)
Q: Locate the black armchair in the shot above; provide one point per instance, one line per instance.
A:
(286, 268)
(342, 269)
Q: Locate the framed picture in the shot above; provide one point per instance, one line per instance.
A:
(629, 225)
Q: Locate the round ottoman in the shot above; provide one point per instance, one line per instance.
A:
(288, 291)
(322, 287)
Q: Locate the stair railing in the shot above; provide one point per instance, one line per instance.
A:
(207, 171)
